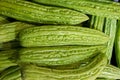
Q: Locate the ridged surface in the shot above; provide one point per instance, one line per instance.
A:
(93, 7)
(97, 22)
(9, 31)
(11, 73)
(110, 72)
(110, 30)
(117, 45)
(59, 55)
(31, 12)
(89, 72)
(61, 35)
(6, 59)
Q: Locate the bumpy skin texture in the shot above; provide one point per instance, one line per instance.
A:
(58, 55)
(31, 12)
(6, 59)
(61, 35)
(93, 7)
(11, 73)
(88, 72)
(9, 31)
(110, 72)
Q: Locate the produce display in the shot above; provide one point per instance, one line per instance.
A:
(59, 40)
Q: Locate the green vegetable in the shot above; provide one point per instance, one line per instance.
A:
(9, 31)
(61, 35)
(11, 73)
(7, 59)
(32, 12)
(110, 72)
(97, 22)
(110, 30)
(108, 26)
(102, 8)
(104, 79)
(89, 72)
(58, 55)
(117, 45)
(3, 20)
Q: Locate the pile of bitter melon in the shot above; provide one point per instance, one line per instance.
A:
(56, 40)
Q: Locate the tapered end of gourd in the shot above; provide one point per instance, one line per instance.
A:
(78, 18)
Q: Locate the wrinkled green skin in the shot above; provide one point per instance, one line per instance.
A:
(36, 13)
(11, 73)
(7, 59)
(110, 72)
(117, 45)
(57, 55)
(88, 72)
(61, 35)
(93, 7)
(9, 31)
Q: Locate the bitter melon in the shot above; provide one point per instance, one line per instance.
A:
(61, 35)
(58, 55)
(3, 20)
(117, 44)
(101, 8)
(11, 73)
(110, 72)
(36, 13)
(110, 30)
(7, 59)
(89, 72)
(9, 31)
